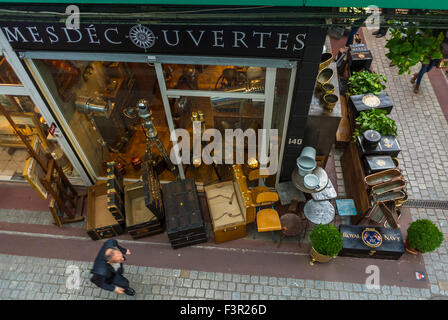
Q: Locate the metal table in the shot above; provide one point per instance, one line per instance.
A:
(319, 212)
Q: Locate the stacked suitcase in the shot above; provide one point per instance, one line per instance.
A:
(184, 223)
(115, 193)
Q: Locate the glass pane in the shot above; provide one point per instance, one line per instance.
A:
(7, 75)
(220, 114)
(280, 99)
(98, 101)
(220, 78)
(13, 154)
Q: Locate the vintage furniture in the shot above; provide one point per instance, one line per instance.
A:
(319, 212)
(246, 194)
(365, 102)
(359, 57)
(140, 221)
(227, 210)
(100, 222)
(385, 211)
(267, 218)
(293, 223)
(184, 223)
(388, 145)
(371, 242)
(328, 193)
(299, 183)
(355, 188)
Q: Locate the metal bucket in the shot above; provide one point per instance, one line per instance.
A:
(308, 152)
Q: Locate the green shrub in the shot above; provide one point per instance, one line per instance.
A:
(375, 119)
(363, 82)
(424, 236)
(326, 239)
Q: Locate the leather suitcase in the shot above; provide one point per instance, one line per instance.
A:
(140, 221)
(100, 223)
(227, 211)
(152, 190)
(115, 193)
(244, 194)
(371, 242)
(183, 216)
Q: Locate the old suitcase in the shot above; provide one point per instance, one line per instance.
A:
(115, 193)
(371, 242)
(374, 163)
(388, 145)
(100, 222)
(359, 57)
(365, 102)
(152, 189)
(244, 194)
(227, 211)
(183, 217)
(140, 221)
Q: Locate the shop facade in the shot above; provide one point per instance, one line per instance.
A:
(88, 81)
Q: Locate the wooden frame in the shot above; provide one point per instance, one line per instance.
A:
(33, 172)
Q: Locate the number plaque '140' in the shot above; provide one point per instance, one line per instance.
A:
(294, 141)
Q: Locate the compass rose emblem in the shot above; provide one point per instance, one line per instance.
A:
(142, 36)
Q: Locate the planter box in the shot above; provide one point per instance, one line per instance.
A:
(359, 105)
(371, 242)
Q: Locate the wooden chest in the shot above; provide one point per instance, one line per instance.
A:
(359, 57)
(243, 191)
(388, 145)
(371, 242)
(140, 221)
(227, 211)
(375, 163)
(100, 222)
(363, 102)
(184, 223)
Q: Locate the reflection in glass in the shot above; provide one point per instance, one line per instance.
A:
(220, 78)
(7, 75)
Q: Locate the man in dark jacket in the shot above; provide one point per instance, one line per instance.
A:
(108, 268)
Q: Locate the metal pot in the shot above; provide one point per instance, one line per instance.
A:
(325, 76)
(325, 60)
(316, 256)
(371, 138)
(330, 101)
(308, 152)
(306, 165)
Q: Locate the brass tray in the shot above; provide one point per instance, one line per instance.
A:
(394, 185)
(383, 176)
(389, 196)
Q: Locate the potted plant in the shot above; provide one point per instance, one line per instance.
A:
(410, 45)
(423, 236)
(364, 82)
(326, 242)
(375, 119)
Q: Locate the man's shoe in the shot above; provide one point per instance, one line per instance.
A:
(416, 88)
(414, 77)
(130, 292)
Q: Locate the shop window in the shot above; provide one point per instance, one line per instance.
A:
(14, 158)
(222, 78)
(7, 75)
(97, 103)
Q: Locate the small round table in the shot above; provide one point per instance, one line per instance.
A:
(319, 212)
(297, 180)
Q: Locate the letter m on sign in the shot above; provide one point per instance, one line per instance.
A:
(14, 36)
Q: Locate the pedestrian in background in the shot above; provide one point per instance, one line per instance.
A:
(108, 268)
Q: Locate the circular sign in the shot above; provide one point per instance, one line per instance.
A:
(142, 36)
(371, 100)
(371, 238)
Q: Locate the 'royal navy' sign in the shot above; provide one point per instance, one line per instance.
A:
(262, 41)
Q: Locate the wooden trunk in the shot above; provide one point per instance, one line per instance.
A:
(388, 145)
(371, 242)
(140, 221)
(227, 211)
(152, 190)
(115, 193)
(244, 194)
(358, 105)
(100, 222)
(184, 223)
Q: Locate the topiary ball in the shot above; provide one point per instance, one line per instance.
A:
(326, 239)
(424, 236)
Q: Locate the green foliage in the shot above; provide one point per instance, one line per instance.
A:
(375, 119)
(326, 239)
(409, 45)
(366, 82)
(424, 236)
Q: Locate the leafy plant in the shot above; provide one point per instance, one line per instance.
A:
(326, 239)
(363, 82)
(375, 119)
(424, 236)
(410, 45)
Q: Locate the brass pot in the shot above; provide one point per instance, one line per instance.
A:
(410, 249)
(330, 101)
(325, 76)
(325, 60)
(327, 88)
(316, 256)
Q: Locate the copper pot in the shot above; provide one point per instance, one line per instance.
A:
(316, 256)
